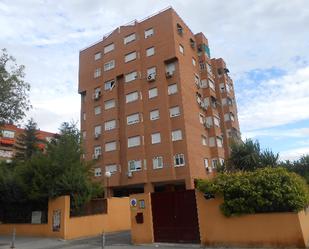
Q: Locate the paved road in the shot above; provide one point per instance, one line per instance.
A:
(121, 240)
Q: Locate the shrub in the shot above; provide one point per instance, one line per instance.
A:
(261, 191)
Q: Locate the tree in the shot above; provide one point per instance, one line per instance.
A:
(14, 90)
(300, 166)
(27, 143)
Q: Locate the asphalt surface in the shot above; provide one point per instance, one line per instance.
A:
(120, 240)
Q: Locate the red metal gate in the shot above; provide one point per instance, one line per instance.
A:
(175, 217)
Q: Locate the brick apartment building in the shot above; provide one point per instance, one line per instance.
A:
(156, 110)
(8, 136)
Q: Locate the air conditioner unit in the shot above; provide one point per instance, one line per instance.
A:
(151, 77)
(97, 135)
(129, 174)
(168, 74)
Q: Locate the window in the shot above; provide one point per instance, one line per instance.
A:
(151, 71)
(109, 85)
(97, 172)
(130, 77)
(176, 135)
(153, 92)
(97, 56)
(219, 142)
(170, 68)
(84, 116)
(154, 115)
(204, 140)
(156, 138)
(172, 89)
(214, 163)
(221, 161)
(97, 93)
(135, 165)
(108, 104)
(112, 168)
(192, 43)
(109, 65)
(174, 111)
(130, 97)
(217, 121)
(211, 84)
(222, 87)
(206, 162)
(150, 51)
(110, 146)
(201, 118)
(97, 72)
(134, 141)
(193, 62)
(84, 134)
(97, 151)
(228, 89)
(130, 57)
(110, 125)
(157, 162)
(109, 48)
(133, 119)
(8, 134)
(197, 80)
(179, 160)
(224, 101)
(203, 83)
(212, 142)
(181, 49)
(97, 130)
(129, 38)
(209, 68)
(97, 110)
(179, 29)
(148, 33)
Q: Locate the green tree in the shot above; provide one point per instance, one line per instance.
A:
(14, 90)
(27, 143)
(300, 166)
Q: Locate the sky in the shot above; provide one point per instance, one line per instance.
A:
(265, 44)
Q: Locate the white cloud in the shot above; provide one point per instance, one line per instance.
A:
(294, 154)
(283, 133)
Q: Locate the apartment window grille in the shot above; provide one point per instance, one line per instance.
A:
(172, 89)
(130, 77)
(97, 110)
(150, 51)
(97, 72)
(97, 56)
(179, 160)
(129, 38)
(109, 85)
(130, 97)
(176, 135)
(110, 125)
(149, 33)
(109, 65)
(157, 162)
(154, 115)
(108, 104)
(174, 111)
(135, 165)
(112, 168)
(109, 48)
(97, 172)
(130, 57)
(153, 92)
(134, 141)
(156, 138)
(110, 146)
(133, 119)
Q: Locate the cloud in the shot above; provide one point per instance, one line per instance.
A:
(294, 154)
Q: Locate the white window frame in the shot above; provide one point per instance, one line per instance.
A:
(97, 172)
(109, 65)
(109, 85)
(172, 89)
(157, 162)
(108, 48)
(134, 141)
(97, 151)
(133, 118)
(97, 56)
(150, 51)
(109, 104)
(181, 49)
(112, 168)
(175, 111)
(149, 32)
(8, 134)
(130, 57)
(194, 62)
(152, 71)
(170, 68)
(131, 97)
(130, 77)
(155, 138)
(153, 92)
(204, 140)
(97, 130)
(177, 135)
(137, 165)
(97, 72)
(212, 141)
(129, 38)
(110, 125)
(177, 157)
(110, 146)
(152, 115)
(97, 110)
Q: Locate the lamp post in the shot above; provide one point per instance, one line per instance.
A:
(107, 176)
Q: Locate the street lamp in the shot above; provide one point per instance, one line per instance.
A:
(107, 176)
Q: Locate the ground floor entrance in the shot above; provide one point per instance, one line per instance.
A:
(175, 217)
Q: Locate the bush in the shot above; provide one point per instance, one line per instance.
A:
(261, 191)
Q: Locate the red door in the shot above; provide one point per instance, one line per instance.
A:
(175, 217)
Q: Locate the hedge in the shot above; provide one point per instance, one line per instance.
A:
(261, 191)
